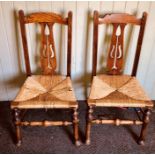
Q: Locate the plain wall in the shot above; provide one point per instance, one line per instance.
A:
(12, 69)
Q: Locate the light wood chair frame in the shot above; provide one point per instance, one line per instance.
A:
(145, 112)
(18, 113)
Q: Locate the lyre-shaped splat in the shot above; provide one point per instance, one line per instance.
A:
(48, 56)
(115, 57)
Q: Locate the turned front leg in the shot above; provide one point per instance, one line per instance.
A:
(88, 127)
(76, 127)
(146, 120)
(17, 126)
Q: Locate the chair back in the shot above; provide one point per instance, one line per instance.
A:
(116, 51)
(48, 52)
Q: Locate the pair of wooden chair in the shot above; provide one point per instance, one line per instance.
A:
(51, 91)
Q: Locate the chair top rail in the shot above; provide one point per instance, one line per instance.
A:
(119, 18)
(41, 17)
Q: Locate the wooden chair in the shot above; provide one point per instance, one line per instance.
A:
(115, 89)
(46, 91)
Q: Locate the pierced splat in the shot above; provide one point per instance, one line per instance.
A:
(48, 56)
(115, 56)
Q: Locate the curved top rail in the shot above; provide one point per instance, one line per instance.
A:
(40, 17)
(119, 18)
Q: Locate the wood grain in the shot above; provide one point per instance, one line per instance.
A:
(45, 17)
(119, 18)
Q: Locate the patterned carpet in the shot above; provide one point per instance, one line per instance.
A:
(105, 138)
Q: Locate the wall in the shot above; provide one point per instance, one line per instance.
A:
(12, 69)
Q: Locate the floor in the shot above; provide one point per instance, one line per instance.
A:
(105, 138)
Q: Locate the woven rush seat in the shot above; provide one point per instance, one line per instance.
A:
(118, 91)
(44, 91)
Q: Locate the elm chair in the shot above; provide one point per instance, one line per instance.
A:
(47, 90)
(114, 89)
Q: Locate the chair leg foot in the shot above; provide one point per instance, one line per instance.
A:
(88, 127)
(19, 143)
(88, 142)
(146, 119)
(77, 143)
(141, 142)
(76, 127)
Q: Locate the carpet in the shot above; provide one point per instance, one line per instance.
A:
(104, 138)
